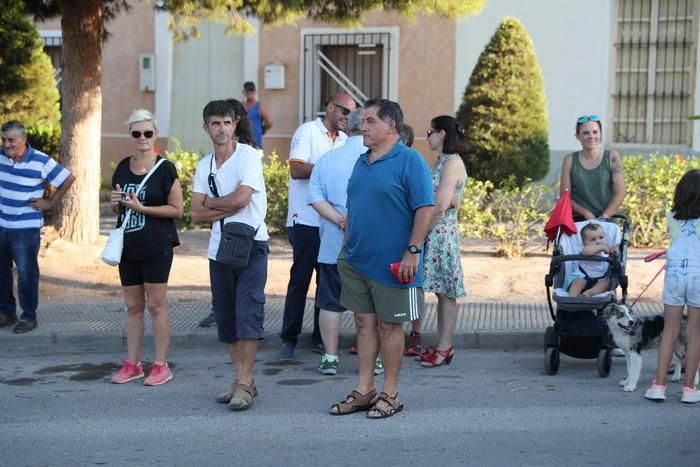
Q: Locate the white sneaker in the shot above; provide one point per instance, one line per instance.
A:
(618, 352)
(690, 395)
(657, 392)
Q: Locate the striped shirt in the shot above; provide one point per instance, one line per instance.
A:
(24, 180)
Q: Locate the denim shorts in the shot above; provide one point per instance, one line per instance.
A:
(682, 285)
(328, 292)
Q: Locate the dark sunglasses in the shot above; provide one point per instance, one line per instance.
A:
(343, 110)
(148, 134)
(431, 131)
(588, 118)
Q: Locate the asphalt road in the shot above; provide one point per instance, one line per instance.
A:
(488, 408)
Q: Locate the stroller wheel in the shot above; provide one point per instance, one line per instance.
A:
(551, 361)
(550, 338)
(604, 362)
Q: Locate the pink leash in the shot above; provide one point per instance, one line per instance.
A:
(647, 259)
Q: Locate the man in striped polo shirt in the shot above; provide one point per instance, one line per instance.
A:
(24, 172)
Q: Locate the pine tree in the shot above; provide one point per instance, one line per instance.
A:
(28, 89)
(504, 110)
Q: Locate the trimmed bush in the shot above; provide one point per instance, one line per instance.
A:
(504, 110)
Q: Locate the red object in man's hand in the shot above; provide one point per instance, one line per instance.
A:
(394, 268)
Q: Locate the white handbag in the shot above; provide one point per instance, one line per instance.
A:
(112, 252)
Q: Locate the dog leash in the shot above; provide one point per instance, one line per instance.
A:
(647, 259)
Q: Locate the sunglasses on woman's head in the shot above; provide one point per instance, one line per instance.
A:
(431, 131)
(588, 118)
(148, 134)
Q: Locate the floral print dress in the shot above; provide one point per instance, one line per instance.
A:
(442, 265)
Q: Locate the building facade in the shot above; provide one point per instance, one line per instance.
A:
(632, 62)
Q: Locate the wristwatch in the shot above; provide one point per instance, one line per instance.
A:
(413, 249)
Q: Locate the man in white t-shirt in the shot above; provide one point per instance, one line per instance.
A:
(229, 187)
(310, 141)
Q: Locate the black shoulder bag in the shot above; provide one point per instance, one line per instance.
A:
(236, 244)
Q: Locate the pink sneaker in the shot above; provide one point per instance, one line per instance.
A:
(656, 393)
(159, 374)
(128, 372)
(690, 395)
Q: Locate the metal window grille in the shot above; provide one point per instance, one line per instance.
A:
(53, 46)
(654, 71)
(356, 63)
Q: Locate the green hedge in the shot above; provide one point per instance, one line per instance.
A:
(512, 216)
(650, 183)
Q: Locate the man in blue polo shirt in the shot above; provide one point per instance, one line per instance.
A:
(24, 172)
(390, 204)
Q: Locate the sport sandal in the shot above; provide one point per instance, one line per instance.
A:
(355, 402)
(226, 396)
(243, 397)
(390, 406)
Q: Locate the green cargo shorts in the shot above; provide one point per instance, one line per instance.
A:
(390, 304)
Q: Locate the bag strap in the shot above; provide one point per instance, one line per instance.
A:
(215, 191)
(140, 187)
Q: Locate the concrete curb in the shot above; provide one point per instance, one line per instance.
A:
(100, 327)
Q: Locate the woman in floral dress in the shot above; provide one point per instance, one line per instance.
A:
(443, 269)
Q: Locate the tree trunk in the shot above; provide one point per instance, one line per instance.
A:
(78, 218)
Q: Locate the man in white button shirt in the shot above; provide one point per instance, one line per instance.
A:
(310, 141)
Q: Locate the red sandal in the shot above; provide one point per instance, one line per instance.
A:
(431, 360)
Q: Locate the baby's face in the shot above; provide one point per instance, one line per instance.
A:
(594, 237)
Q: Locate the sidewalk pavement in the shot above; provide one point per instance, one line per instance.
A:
(101, 326)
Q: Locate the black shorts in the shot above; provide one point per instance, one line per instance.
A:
(328, 292)
(152, 270)
(239, 297)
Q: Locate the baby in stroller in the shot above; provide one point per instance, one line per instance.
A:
(593, 277)
(586, 270)
(581, 265)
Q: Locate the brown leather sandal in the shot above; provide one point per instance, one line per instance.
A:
(353, 403)
(392, 406)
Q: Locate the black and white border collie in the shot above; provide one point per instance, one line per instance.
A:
(634, 334)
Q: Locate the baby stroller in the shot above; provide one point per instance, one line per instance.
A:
(579, 330)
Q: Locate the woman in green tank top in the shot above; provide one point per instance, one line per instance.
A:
(593, 176)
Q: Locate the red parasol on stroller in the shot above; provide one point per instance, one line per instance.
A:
(561, 219)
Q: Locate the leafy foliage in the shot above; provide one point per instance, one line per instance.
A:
(45, 138)
(28, 89)
(650, 183)
(504, 110)
(511, 215)
(186, 14)
(475, 219)
(519, 212)
(186, 164)
(276, 175)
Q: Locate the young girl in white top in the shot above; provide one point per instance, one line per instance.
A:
(681, 288)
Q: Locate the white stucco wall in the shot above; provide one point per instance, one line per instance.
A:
(573, 43)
